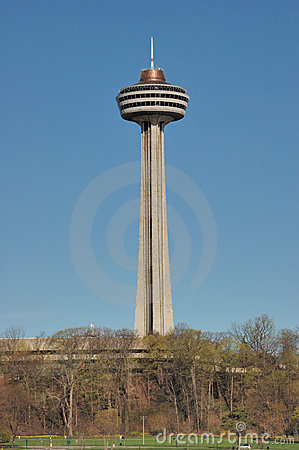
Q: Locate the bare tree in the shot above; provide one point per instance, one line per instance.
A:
(260, 336)
(71, 349)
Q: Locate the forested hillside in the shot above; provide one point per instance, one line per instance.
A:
(100, 381)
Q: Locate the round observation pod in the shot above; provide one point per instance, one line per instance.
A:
(152, 99)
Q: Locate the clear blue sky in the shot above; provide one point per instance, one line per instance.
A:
(62, 63)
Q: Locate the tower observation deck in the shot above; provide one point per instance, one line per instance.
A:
(153, 103)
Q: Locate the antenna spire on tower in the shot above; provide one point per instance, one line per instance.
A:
(152, 53)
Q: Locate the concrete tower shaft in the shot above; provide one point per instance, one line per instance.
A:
(153, 312)
(153, 103)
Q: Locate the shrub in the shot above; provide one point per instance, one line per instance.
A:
(4, 436)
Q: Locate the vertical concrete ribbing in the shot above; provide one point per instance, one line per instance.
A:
(153, 301)
(167, 299)
(141, 312)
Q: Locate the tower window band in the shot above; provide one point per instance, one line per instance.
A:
(153, 103)
(152, 87)
(153, 94)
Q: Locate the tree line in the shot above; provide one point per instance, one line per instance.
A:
(100, 381)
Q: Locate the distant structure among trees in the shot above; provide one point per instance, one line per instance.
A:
(100, 381)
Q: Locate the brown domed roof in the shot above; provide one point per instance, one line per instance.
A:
(152, 76)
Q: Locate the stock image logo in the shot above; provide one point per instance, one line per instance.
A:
(238, 439)
(240, 427)
(94, 274)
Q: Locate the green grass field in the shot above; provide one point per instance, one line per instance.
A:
(150, 443)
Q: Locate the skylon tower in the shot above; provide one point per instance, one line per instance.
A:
(153, 103)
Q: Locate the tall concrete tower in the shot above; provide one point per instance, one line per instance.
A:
(153, 103)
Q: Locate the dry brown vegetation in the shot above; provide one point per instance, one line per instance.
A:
(100, 382)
